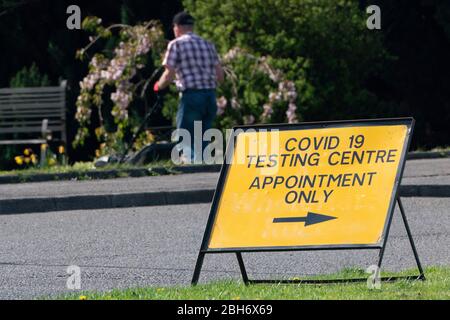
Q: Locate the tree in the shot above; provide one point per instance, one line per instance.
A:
(322, 46)
(119, 70)
(29, 77)
(35, 31)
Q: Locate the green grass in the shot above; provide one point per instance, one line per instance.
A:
(77, 167)
(80, 168)
(437, 286)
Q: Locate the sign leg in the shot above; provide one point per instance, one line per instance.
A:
(411, 240)
(198, 268)
(242, 267)
(383, 248)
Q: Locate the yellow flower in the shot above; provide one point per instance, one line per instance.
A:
(99, 132)
(27, 152)
(19, 160)
(83, 298)
(34, 158)
(27, 160)
(61, 150)
(150, 137)
(44, 146)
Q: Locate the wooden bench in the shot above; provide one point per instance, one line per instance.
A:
(33, 115)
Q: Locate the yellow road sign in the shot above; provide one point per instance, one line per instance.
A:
(294, 186)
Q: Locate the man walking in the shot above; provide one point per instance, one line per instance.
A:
(194, 65)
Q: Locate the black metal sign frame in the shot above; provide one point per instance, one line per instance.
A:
(381, 246)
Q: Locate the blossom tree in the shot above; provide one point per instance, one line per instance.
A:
(118, 70)
(253, 89)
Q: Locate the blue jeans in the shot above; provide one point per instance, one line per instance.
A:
(197, 105)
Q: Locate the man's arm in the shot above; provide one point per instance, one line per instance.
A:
(169, 63)
(167, 78)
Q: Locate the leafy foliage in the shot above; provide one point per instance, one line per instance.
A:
(120, 70)
(337, 65)
(29, 77)
(322, 46)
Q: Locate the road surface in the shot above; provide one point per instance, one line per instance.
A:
(421, 172)
(135, 247)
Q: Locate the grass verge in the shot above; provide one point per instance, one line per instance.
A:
(81, 167)
(437, 286)
(86, 171)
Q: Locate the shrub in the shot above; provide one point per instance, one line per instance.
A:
(322, 46)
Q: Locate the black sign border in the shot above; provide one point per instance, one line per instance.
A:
(409, 122)
(204, 249)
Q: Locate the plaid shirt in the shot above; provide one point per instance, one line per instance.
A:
(194, 60)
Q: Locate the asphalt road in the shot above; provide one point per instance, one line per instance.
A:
(422, 172)
(158, 246)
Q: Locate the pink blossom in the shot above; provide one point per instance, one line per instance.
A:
(235, 103)
(290, 113)
(232, 54)
(117, 72)
(275, 96)
(221, 105)
(249, 119)
(268, 111)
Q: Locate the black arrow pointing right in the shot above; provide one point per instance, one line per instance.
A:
(310, 219)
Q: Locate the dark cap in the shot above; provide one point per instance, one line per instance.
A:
(183, 19)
